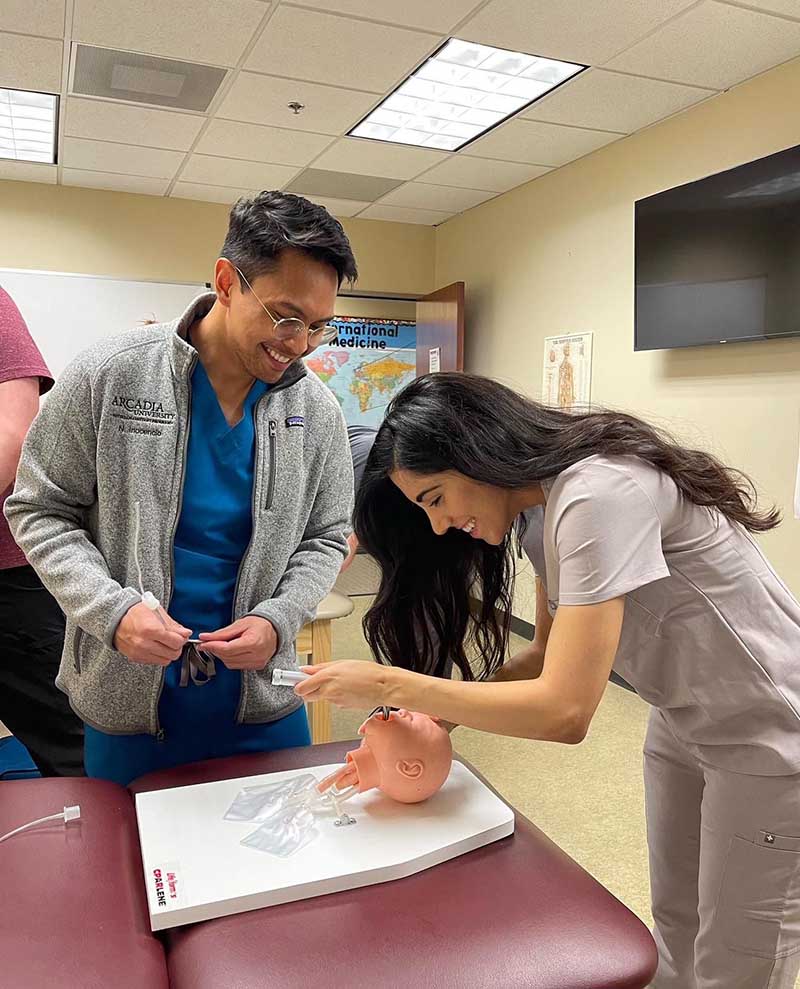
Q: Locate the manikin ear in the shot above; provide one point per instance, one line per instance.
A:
(410, 769)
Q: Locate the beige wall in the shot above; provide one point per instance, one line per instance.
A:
(59, 228)
(556, 256)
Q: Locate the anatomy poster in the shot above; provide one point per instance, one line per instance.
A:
(567, 370)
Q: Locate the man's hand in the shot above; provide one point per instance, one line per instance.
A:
(247, 644)
(142, 638)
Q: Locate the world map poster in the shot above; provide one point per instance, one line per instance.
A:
(367, 364)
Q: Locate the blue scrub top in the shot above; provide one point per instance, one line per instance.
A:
(214, 529)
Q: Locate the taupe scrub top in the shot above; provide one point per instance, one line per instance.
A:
(711, 634)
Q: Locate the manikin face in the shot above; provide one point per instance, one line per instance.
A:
(453, 501)
(410, 753)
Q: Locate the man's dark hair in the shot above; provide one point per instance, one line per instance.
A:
(262, 227)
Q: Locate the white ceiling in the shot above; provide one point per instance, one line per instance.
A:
(649, 59)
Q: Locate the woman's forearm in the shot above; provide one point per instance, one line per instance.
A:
(522, 709)
(527, 664)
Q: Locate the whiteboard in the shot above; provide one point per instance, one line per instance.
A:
(66, 313)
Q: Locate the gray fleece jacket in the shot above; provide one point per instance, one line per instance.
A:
(115, 431)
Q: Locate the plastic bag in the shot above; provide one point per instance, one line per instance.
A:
(284, 833)
(257, 803)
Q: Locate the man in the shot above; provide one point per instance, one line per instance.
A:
(192, 481)
(361, 439)
(31, 623)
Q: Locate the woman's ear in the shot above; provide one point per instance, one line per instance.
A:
(410, 769)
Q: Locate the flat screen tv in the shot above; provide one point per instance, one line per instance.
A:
(718, 260)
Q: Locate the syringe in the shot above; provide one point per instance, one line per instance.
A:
(288, 678)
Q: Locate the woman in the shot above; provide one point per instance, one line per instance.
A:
(645, 563)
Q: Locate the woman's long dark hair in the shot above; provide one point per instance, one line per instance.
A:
(421, 618)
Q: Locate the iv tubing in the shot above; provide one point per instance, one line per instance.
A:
(67, 814)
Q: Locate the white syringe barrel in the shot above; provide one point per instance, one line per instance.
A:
(288, 678)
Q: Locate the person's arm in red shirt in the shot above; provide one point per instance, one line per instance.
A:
(19, 403)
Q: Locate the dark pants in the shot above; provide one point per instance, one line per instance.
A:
(31, 706)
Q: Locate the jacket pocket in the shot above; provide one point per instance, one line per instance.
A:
(77, 640)
(759, 901)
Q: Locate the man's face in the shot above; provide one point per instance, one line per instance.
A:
(299, 286)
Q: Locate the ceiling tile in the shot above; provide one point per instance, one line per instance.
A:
(361, 157)
(213, 31)
(398, 214)
(481, 173)
(30, 63)
(42, 17)
(263, 100)
(27, 171)
(440, 16)
(208, 170)
(208, 193)
(255, 143)
(339, 207)
(615, 102)
(435, 197)
(114, 183)
(789, 8)
(713, 45)
(573, 30)
(341, 185)
(122, 159)
(299, 43)
(539, 144)
(102, 120)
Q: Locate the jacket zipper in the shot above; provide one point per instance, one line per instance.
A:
(160, 734)
(76, 657)
(273, 467)
(273, 444)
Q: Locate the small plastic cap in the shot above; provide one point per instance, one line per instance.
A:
(72, 813)
(149, 599)
(288, 678)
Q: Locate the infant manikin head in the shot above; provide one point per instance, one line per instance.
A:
(407, 757)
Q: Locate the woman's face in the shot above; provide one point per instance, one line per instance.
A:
(453, 501)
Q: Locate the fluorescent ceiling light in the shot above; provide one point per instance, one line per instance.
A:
(28, 126)
(460, 93)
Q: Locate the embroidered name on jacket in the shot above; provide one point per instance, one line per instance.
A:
(140, 411)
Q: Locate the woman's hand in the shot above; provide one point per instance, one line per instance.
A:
(527, 664)
(353, 684)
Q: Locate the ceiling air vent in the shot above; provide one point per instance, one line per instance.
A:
(144, 79)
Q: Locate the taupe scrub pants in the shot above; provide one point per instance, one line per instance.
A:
(724, 870)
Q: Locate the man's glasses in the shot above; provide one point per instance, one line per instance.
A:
(289, 327)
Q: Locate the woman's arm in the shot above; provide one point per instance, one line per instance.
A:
(527, 664)
(556, 706)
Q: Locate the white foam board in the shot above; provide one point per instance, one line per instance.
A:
(195, 867)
